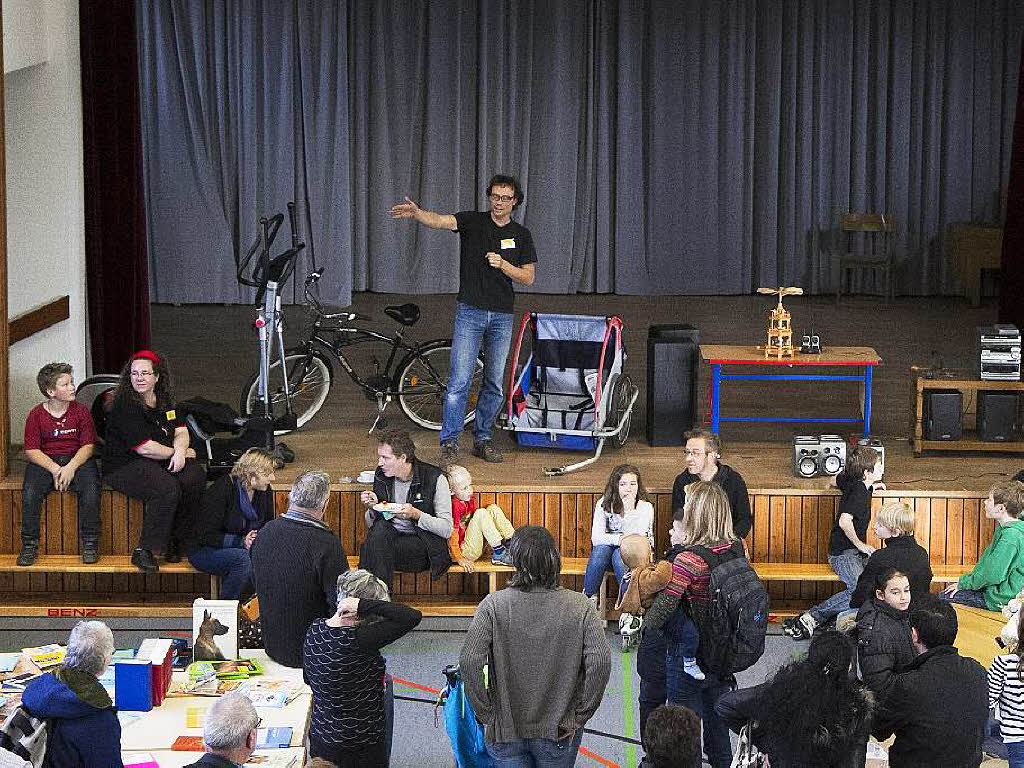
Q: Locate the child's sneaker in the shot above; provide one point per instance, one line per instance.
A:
(692, 668)
(501, 556)
(801, 627)
(629, 629)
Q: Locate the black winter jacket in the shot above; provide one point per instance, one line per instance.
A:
(905, 555)
(734, 487)
(937, 709)
(884, 645)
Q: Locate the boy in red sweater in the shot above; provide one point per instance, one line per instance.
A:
(472, 526)
(59, 441)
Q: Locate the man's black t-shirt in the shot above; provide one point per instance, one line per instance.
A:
(481, 285)
(856, 502)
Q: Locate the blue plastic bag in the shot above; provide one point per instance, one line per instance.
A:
(464, 732)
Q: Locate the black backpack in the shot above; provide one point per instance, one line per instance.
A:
(733, 625)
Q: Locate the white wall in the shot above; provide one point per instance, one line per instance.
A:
(45, 209)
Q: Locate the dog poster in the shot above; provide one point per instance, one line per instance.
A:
(214, 630)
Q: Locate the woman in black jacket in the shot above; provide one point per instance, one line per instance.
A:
(884, 644)
(233, 509)
(812, 714)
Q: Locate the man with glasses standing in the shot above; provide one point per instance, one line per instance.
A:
(494, 253)
(703, 452)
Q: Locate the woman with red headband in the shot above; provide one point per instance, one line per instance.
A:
(147, 457)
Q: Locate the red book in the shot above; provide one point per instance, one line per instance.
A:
(188, 744)
(158, 651)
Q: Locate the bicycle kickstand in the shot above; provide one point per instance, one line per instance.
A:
(382, 403)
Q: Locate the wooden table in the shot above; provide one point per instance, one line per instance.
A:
(169, 759)
(972, 248)
(721, 356)
(970, 387)
(157, 729)
(977, 630)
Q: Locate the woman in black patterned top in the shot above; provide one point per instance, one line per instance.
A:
(341, 662)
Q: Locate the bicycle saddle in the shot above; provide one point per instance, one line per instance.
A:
(406, 314)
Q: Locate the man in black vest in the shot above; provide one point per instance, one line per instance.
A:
(412, 537)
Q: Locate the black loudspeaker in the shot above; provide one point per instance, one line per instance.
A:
(673, 354)
(997, 415)
(943, 408)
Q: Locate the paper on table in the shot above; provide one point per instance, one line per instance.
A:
(8, 661)
(195, 717)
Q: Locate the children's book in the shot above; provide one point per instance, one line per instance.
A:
(273, 738)
(188, 744)
(17, 683)
(214, 630)
(195, 717)
(239, 669)
(272, 760)
(44, 656)
(133, 685)
(139, 760)
(8, 661)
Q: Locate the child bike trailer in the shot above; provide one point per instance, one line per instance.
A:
(572, 392)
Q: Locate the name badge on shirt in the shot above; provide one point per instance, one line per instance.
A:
(508, 242)
(171, 415)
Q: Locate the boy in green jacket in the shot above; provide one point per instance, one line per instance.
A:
(999, 574)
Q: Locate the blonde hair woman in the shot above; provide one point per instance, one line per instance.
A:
(666, 659)
(233, 510)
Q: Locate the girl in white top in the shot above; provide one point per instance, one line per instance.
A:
(1006, 691)
(623, 509)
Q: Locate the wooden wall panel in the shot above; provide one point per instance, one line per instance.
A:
(788, 527)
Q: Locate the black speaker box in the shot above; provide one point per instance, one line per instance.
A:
(672, 363)
(943, 408)
(997, 416)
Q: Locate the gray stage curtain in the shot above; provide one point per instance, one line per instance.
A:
(691, 147)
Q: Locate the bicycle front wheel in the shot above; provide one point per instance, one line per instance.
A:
(309, 381)
(422, 382)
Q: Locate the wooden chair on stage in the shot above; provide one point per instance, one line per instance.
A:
(864, 242)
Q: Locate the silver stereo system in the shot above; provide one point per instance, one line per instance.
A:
(815, 455)
(998, 353)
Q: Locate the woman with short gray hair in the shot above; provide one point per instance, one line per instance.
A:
(83, 728)
(343, 665)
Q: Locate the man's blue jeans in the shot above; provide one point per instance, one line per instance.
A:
(848, 565)
(602, 557)
(975, 598)
(536, 753)
(476, 328)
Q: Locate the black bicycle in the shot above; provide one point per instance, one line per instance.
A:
(416, 374)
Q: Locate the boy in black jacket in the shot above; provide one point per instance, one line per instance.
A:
(846, 544)
(900, 550)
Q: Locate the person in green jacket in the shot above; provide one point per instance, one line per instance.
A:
(999, 574)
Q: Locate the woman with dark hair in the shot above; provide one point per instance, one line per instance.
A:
(812, 714)
(234, 508)
(623, 509)
(147, 457)
(547, 657)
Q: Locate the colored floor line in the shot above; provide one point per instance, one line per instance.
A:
(627, 707)
(593, 756)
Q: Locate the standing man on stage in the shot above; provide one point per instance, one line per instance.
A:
(494, 252)
(703, 452)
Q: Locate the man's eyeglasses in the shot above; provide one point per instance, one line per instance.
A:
(694, 452)
(503, 198)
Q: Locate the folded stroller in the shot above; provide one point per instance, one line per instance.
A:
(571, 392)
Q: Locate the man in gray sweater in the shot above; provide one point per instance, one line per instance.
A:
(547, 657)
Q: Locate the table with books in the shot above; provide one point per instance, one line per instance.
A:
(163, 735)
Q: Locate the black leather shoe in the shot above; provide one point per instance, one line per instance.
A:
(173, 554)
(143, 560)
(29, 552)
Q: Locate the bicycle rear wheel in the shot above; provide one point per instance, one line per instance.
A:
(310, 376)
(422, 381)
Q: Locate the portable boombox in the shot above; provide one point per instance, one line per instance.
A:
(815, 455)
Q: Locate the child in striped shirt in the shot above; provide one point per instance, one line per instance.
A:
(1006, 691)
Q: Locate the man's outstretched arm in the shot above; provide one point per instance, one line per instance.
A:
(409, 210)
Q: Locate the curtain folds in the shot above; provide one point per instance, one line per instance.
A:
(690, 147)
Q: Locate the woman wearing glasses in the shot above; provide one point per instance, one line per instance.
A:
(147, 457)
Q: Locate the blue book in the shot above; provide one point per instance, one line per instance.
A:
(274, 738)
(133, 685)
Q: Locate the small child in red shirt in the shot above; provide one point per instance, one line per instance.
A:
(59, 442)
(472, 526)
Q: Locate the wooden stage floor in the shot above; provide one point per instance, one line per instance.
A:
(345, 451)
